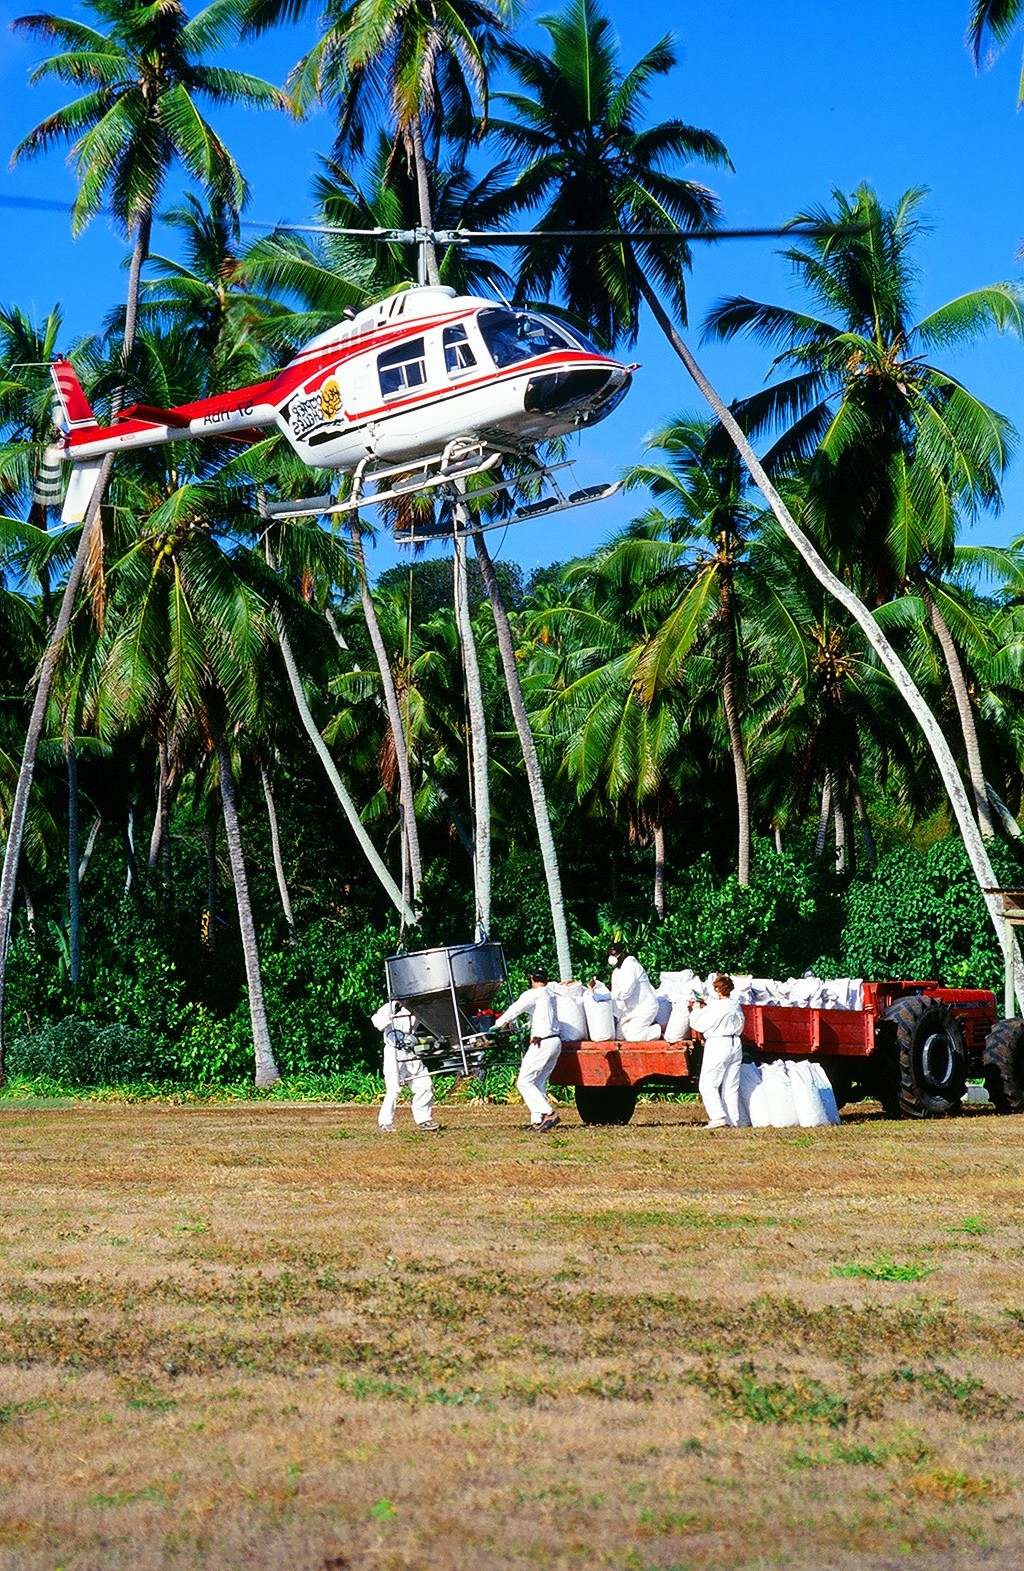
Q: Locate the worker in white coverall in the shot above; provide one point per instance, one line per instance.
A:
(402, 1067)
(541, 1055)
(633, 998)
(720, 1022)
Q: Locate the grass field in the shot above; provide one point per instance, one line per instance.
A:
(264, 1336)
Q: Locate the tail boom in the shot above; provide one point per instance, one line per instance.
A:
(240, 413)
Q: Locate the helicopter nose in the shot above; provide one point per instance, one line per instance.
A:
(592, 386)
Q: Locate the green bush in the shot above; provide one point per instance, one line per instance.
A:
(78, 1053)
(924, 917)
(777, 925)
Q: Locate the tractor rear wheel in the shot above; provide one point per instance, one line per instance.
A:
(930, 1057)
(606, 1104)
(1004, 1065)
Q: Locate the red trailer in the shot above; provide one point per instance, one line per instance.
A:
(914, 1046)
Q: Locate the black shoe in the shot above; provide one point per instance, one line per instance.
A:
(551, 1122)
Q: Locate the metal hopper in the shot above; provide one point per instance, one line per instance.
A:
(446, 989)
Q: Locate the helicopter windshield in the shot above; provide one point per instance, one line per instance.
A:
(520, 335)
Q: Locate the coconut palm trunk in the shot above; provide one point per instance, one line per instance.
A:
(506, 649)
(275, 846)
(732, 720)
(394, 711)
(322, 751)
(478, 752)
(888, 658)
(128, 847)
(659, 871)
(159, 840)
(266, 1069)
(431, 272)
(74, 885)
(1006, 818)
(210, 838)
(839, 813)
(826, 808)
(90, 846)
(958, 682)
(860, 808)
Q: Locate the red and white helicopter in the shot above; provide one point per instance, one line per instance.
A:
(424, 389)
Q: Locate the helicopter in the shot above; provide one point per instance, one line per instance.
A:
(421, 389)
(426, 388)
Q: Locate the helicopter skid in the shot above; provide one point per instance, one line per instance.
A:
(544, 507)
(457, 462)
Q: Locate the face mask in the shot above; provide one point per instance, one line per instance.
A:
(613, 960)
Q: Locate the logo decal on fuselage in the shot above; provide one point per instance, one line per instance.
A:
(320, 409)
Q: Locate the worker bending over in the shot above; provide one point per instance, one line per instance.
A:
(633, 998)
(402, 1067)
(720, 1023)
(541, 1055)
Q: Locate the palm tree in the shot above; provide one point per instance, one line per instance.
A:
(995, 19)
(897, 449)
(139, 116)
(416, 64)
(622, 752)
(704, 518)
(531, 760)
(589, 163)
(141, 113)
(595, 159)
(184, 639)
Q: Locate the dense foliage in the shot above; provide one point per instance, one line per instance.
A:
(256, 772)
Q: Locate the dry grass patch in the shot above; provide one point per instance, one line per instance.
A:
(261, 1336)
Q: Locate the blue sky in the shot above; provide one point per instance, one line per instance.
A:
(807, 97)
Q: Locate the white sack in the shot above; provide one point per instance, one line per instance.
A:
(600, 1017)
(750, 1086)
(677, 1026)
(664, 1009)
(825, 1091)
(679, 985)
(807, 1099)
(570, 1014)
(758, 1104)
(781, 1106)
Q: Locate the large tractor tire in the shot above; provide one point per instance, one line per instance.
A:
(1004, 1065)
(606, 1104)
(931, 1063)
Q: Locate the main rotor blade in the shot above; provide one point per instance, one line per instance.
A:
(500, 236)
(490, 237)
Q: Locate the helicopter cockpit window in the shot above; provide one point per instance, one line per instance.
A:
(584, 342)
(519, 335)
(402, 367)
(458, 356)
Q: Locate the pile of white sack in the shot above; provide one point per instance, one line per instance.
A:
(799, 992)
(678, 991)
(785, 1094)
(582, 1016)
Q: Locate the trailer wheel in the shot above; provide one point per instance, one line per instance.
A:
(1004, 1065)
(932, 1063)
(606, 1104)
